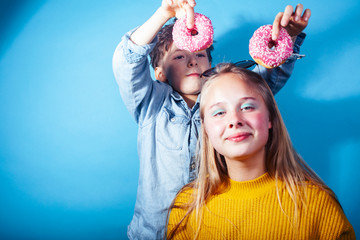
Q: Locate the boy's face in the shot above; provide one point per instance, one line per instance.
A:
(181, 69)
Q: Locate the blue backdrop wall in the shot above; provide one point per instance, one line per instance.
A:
(68, 159)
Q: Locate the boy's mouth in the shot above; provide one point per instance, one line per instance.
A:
(193, 75)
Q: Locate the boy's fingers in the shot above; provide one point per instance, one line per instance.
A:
(276, 26)
(189, 16)
(298, 12)
(307, 14)
(287, 15)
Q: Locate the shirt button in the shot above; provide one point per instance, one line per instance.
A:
(172, 120)
(192, 166)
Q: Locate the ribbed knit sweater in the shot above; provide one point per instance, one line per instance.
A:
(251, 210)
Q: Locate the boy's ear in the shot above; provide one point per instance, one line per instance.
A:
(159, 74)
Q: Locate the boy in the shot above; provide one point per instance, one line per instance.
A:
(167, 110)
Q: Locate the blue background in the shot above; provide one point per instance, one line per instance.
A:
(68, 158)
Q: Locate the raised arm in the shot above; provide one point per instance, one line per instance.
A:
(294, 22)
(139, 92)
(146, 33)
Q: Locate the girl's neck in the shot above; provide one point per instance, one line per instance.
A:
(246, 174)
(245, 170)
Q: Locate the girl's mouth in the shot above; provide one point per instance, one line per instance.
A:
(238, 137)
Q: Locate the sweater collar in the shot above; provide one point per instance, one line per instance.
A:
(252, 188)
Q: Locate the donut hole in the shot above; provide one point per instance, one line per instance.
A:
(272, 45)
(194, 32)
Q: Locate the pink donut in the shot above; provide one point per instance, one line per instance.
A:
(196, 39)
(265, 51)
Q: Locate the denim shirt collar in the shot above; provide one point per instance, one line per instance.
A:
(177, 97)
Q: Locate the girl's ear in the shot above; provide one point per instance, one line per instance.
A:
(159, 74)
(270, 124)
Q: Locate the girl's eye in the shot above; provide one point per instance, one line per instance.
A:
(200, 55)
(247, 107)
(218, 112)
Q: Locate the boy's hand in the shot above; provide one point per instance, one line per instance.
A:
(180, 8)
(293, 22)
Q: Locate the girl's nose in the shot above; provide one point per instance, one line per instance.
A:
(236, 121)
(235, 124)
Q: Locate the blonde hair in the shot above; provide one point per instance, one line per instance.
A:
(282, 161)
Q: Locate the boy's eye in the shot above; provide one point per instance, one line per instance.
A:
(179, 57)
(200, 55)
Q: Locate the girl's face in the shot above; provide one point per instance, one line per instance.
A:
(236, 119)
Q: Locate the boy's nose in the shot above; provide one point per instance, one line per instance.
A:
(192, 62)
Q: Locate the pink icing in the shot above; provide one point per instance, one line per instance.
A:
(196, 39)
(259, 46)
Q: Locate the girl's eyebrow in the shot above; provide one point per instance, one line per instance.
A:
(215, 105)
(243, 99)
(251, 98)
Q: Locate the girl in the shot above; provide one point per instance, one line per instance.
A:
(252, 184)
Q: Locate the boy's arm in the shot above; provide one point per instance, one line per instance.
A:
(294, 22)
(131, 66)
(132, 73)
(277, 77)
(146, 33)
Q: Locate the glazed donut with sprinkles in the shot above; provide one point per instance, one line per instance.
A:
(267, 52)
(200, 37)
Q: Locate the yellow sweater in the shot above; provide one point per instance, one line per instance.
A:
(251, 210)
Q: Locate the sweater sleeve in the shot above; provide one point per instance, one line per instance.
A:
(330, 217)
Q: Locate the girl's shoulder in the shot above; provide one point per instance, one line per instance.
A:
(323, 205)
(315, 191)
(322, 197)
(185, 196)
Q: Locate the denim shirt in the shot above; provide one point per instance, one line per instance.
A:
(168, 133)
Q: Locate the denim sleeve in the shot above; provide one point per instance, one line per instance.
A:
(277, 77)
(142, 95)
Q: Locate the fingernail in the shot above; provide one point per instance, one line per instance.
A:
(297, 18)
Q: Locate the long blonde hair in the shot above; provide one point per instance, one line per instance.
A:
(282, 161)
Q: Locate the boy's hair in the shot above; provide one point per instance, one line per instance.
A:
(164, 43)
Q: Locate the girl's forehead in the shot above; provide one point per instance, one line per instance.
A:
(229, 88)
(228, 84)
